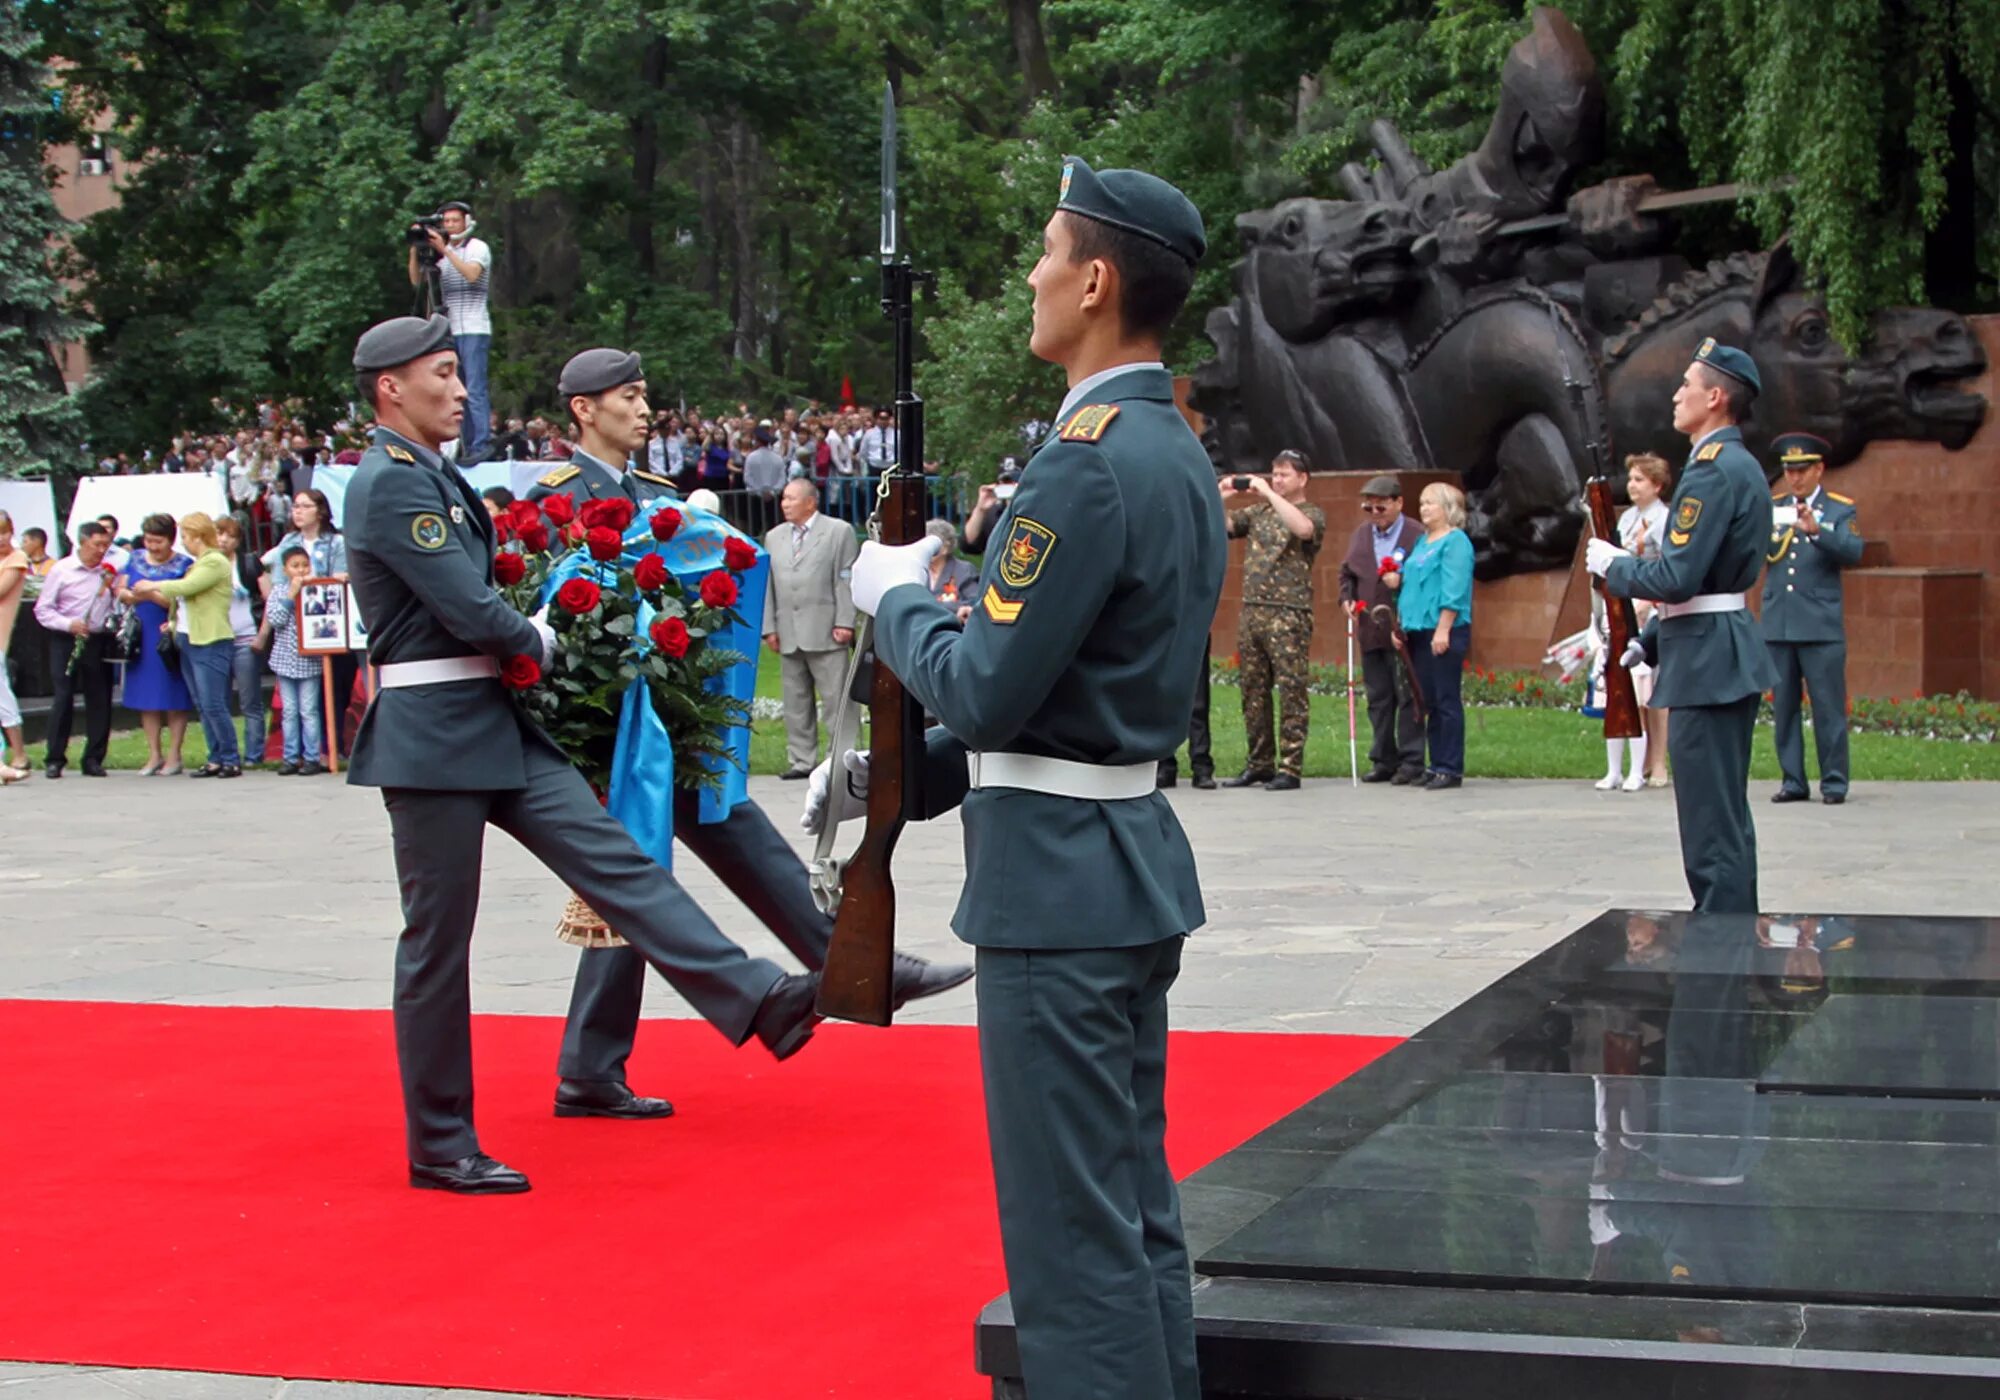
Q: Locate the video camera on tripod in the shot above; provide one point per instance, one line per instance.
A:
(419, 233)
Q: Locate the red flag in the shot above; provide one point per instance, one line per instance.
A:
(846, 392)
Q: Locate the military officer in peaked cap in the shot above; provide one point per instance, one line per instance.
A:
(1071, 680)
(605, 392)
(1713, 665)
(1813, 538)
(453, 754)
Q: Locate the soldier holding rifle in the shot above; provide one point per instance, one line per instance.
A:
(1071, 680)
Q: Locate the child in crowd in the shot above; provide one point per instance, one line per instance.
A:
(298, 676)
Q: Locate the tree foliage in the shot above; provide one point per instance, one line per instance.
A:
(696, 178)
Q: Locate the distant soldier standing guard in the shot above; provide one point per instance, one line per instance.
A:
(1813, 538)
(1274, 631)
(1073, 678)
(1713, 667)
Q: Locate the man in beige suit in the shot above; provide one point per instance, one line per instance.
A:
(808, 615)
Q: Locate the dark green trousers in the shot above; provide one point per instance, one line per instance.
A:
(1073, 1051)
(1818, 669)
(1710, 748)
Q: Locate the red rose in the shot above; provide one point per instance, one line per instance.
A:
(738, 555)
(509, 567)
(522, 514)
(520, 672)
(573, 532)
(670, 635)
(665, 523)
(614, 514)
(503, 528)
(534, 538)
(603, 542)
(650, 572)
(578, 596)
(559, 510)
(719, 590)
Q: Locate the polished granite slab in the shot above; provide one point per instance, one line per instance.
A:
(1672, 1156)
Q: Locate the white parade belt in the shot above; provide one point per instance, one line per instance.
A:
(1060, 777)
(1704, 603)
(394, 674)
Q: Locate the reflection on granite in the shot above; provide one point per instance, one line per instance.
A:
(1665, 1114)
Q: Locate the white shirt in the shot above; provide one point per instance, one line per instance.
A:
(879, 447)
(1087, 387)
(465, 302)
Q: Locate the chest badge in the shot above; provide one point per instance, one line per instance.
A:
(1026, 553)
(458, 515)
(428, 531)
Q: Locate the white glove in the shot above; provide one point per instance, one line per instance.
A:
(541, 624)
(882, 567)
(1598, 554)
(1633, 655)
(849, 797)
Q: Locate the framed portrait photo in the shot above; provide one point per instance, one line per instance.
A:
(322, 617)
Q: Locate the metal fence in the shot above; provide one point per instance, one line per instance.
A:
(846, 498)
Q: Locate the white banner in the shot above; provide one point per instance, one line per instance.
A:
(33, 503)
(132, 498)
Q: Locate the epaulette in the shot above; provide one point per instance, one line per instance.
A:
(653, 477)
(1836, 496)
(1709, 453)
(1088, 424)
(559, 475)
(1782, 497)
(398, 454)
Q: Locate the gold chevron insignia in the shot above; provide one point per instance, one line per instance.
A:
(999, 609)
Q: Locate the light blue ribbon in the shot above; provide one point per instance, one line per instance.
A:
(642, 764)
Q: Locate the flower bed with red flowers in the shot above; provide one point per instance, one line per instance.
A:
(619, 615)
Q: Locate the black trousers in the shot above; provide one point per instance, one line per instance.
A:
(1201, 760)
(1710, 748)
(438, 838)
(93, 678)
(1073, 1055)
(1392, 713)
(757, 865)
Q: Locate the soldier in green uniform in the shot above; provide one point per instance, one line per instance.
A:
(1274, 631)
(452, 754)
(608, 389)
(1713, 668)
(1813, 538)
(1071, 680)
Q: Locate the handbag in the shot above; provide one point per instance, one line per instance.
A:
(168, 645)
(122, 643)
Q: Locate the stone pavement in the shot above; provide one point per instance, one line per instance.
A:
(1332, 909)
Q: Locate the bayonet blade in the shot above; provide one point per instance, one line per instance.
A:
(889, 229)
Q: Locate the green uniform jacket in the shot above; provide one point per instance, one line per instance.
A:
(1717, 531)
(1088, 642)
(584, 478)
(1802, 587)
(420, 558)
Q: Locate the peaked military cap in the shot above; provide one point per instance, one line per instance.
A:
(1136, 202)
(1730, 361)
(1383, 485)
(392, 343)
(595, 371)
(1800, 449)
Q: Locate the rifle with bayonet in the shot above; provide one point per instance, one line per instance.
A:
(856, 984)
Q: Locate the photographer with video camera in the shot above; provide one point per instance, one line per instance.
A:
(451, 267)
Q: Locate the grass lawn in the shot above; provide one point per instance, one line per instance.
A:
(1499, 743)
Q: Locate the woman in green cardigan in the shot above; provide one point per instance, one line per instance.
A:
(204, 591)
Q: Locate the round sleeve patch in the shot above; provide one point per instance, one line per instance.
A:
(428, 531)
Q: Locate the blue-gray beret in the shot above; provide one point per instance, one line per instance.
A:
(1136, 202)
(594, 371)
(1730, 361)
(397, 342)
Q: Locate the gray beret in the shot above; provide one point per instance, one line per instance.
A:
(1136, 202)
(1383, 485)
(397, 342)
(595, 371)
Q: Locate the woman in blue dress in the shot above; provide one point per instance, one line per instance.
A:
(152, 687)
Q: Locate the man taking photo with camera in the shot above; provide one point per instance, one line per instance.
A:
(462, 263)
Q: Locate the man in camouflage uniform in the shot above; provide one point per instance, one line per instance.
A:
(1274, 635)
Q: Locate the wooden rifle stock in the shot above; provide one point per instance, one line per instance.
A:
(1621, 625)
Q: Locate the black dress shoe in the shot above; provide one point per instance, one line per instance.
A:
(1410, 777)
(1204, 781)
(288, 769)
(1284, 782)
(1791, 795)
(585, 1098)
(207, 770)
(1249, 778)
(477, 1175)
(52, 771)
(1167, 780)
(1833, 799)
(786, 1019)
(1441, 782)
(94, 770)
(1380, 775)
(792, 775)
(914, 978)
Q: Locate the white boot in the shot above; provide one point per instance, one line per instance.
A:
(1614, 753)
(1637, 779)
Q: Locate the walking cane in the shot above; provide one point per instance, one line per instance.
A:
(1353, 743)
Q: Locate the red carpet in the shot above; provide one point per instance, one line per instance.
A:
(221, 1189)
